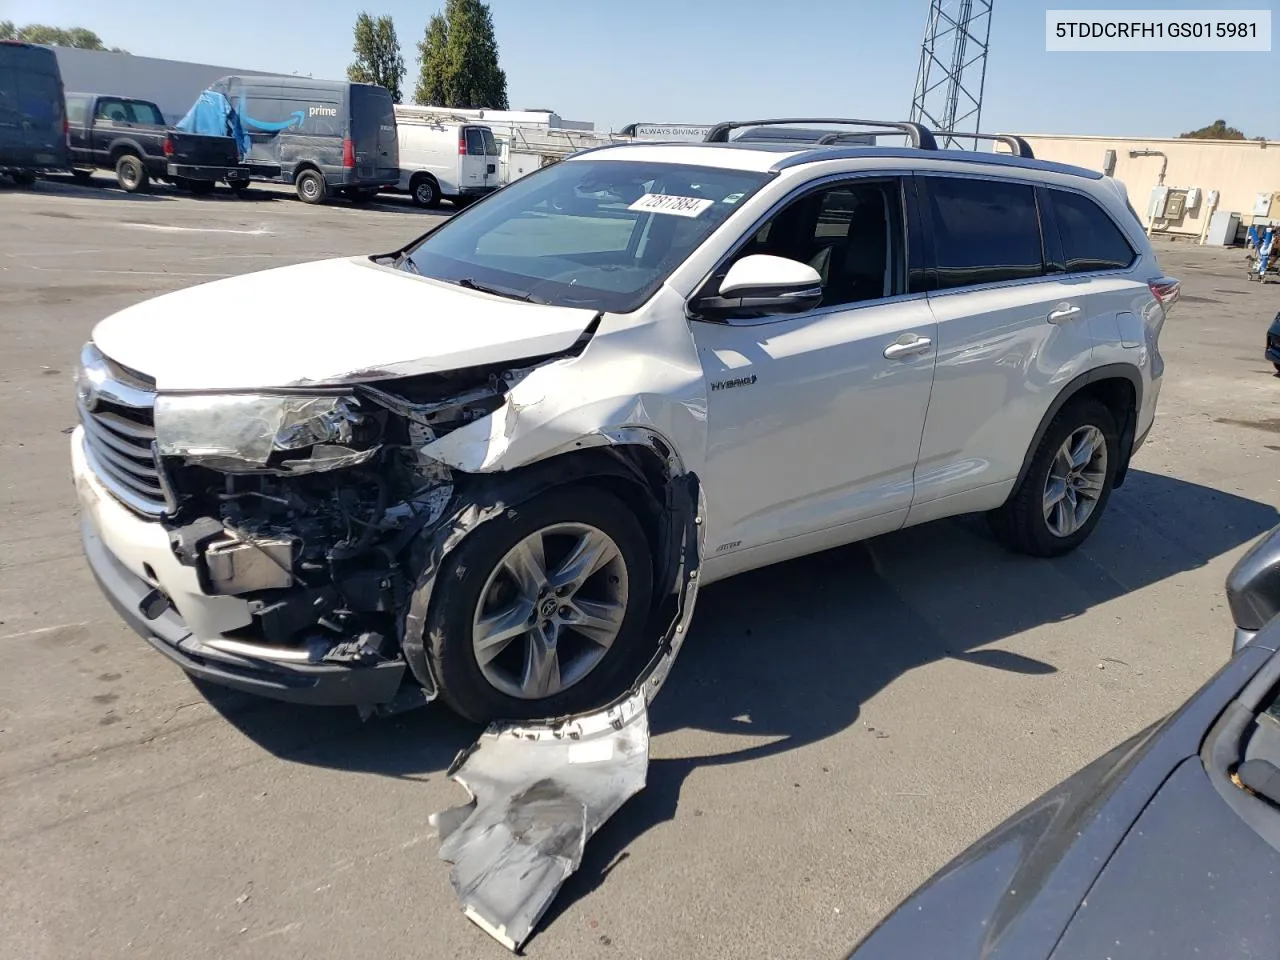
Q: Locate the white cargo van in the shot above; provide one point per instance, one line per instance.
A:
(446, 159)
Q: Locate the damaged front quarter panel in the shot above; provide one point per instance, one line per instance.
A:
(539, 791)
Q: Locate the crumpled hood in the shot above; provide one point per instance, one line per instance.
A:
(330, 321)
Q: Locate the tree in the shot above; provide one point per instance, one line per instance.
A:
(77, 37)
(377, 51)
(1218, 130)
(433, 64)
(459, 59)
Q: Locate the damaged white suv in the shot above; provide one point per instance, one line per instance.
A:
(494, 465)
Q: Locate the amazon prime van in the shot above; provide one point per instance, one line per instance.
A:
(325, 138)
(444, 158)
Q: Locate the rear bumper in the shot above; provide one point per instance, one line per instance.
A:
(109, 532)
(195, 172)
(475, 191)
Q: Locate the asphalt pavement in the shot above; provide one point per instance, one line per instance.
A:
(836, 729)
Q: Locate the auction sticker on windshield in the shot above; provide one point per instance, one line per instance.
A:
(673, 205)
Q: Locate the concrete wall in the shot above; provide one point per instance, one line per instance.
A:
(1238, 169)
(173, 85)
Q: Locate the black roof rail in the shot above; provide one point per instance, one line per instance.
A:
(842, 137)
(1016, 144)
(921, 136)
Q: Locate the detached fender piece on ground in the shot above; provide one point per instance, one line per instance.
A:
(539, 791)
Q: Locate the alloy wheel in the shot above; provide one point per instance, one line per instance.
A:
(1077, 478)
(550, 611)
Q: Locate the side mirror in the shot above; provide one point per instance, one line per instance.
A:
(1253, 588)
(762, 285)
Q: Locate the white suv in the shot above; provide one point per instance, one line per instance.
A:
(490, 465)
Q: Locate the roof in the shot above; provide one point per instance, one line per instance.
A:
(775, 157)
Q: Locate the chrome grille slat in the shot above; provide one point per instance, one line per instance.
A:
(140, 432)
(116, 412)
(94, 426)
(139, 478)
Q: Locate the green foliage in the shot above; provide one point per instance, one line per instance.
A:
(1218, 130)
(433, 66)
(459, 59)
(77, 37)
(377, 51)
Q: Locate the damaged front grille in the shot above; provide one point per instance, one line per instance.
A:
(116, 412)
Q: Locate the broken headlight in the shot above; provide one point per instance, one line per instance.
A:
(242, 431)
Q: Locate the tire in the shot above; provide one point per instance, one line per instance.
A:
(132, 174)
(25, 178)
(360, 194)
(82, 176)
(310, 187)
(1277, 366)
(475, 582)
(425, 191)
(201, 188)
(1026, 523)
(240, 188)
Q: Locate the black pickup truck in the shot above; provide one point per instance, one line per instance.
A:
(130, 137)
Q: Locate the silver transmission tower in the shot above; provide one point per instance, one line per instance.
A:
(953, 66)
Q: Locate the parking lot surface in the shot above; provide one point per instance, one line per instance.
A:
(836, 729)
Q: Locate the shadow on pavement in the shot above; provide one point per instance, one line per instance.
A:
(101, 188)
(800, 646)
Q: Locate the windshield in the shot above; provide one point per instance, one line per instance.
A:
(600, 234)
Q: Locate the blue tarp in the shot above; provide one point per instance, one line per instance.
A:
(212, 115)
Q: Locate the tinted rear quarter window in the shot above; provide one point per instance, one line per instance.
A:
(985, 231)
(1090, 238)
(77, 107)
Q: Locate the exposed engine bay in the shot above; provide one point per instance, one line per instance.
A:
(313, 539)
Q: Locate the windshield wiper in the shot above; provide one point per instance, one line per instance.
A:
(472, 284)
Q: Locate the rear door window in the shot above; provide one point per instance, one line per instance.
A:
(143, 112)
(114, 110)
(1090, 238)
(490, 144)
(475, 142)
(985, 231)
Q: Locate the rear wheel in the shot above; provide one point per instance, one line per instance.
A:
(132, 174)
(360, 194)
(201, 188)
(1063, 495)
(310, 186)
(538, 612)
(239, 187)
(425, 191)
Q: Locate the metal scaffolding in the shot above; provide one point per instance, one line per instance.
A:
(953, 66)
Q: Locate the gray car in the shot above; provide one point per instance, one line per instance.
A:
(1168, 846)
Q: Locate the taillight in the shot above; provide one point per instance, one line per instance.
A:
(348, 153)
(1166, 290)
(66, 131)
(168, 146)
(462, 145)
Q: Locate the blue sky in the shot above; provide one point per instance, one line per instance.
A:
(698, 61)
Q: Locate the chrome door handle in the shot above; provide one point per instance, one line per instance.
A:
(907, 348)
(1065, 311)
